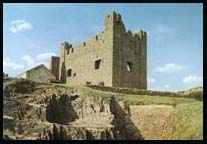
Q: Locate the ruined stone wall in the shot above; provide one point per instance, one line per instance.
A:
(54, 66)
(40, 74)
(138, 91)
(129, 56)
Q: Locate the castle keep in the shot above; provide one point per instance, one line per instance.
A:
(114, 57)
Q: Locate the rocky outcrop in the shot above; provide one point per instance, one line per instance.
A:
(55, 132)
(60, 110)
(53, 113)
(8, 123)
(69, 132)
(18, 86)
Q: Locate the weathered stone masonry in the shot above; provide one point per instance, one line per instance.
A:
(115, 57)
(55, 62)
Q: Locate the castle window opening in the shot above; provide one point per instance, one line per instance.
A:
(72, 50)
(129, 66)
(74, 74)
(97, 64)
(68, 51)
(96, 38)
(69, 72)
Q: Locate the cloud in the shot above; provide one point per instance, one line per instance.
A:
(42, 58)
(160, 28)
(20, 26)
(193, 80)
(166, 86)
(45, 56)
(169, 68)
(151, 80)
(7, 63)
(29, 60)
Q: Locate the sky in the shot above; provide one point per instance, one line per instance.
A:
(32, 33)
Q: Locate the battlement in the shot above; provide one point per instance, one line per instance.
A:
(114, 23)
(141, 34)
(66, 44)
(114, 17)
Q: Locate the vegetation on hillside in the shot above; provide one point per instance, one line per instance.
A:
(135, 99)
(187, 122)
(196, 93)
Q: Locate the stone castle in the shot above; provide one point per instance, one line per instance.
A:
(114, 57)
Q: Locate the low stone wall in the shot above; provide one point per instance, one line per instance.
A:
(134, 91)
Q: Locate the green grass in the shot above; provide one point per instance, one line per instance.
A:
(188, 122)
(133, 99)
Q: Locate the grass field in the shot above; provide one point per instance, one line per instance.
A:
(188, 122)
(135, 99)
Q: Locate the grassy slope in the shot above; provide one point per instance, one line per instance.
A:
(135, 99)
(196, 92)
(187, 122)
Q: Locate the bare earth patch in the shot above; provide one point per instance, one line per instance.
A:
(152, 120)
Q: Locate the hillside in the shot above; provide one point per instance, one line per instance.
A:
(58, 111)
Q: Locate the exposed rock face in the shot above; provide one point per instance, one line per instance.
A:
(124, 127)
(8, 123)
(69, 132)
(137, 122)
(77, 117)
(18, 86)
(60, 110)
(56, 132)
(73, 117)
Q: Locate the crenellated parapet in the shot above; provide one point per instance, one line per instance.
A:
(141, 35)
(114, 17)
(113, 23)
(66, 48)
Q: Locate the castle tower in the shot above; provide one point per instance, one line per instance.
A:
(129, 54)
(65, 49)
(54, 66)
(115, 57)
